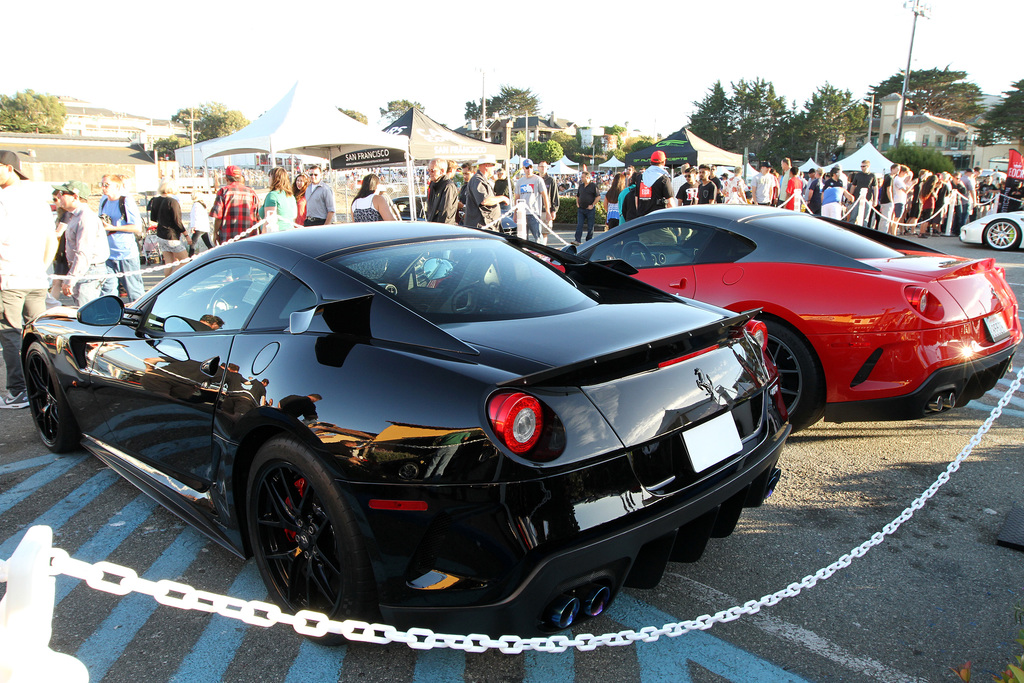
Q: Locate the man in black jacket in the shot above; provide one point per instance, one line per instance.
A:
(443, 196)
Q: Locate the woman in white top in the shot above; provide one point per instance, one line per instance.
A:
(199, 222)
(369, 206)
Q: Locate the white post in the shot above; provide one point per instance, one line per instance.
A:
(521, 219)
(26, 614)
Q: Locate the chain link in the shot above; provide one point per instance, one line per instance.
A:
(311, 623)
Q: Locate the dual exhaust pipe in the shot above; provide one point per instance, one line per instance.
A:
(588, 601)
(944, 400)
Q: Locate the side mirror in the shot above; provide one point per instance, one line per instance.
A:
(102, 312)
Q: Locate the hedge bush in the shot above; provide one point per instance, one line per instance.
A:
(567, 211)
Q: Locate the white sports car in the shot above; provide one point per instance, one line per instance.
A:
(1000, 231)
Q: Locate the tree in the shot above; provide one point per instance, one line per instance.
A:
(31, 112)
(830, 117)
(713, 119)
(513, 102)
(472, 110)
(631, 145)
(353, 114)
(1006, 119)
(549, 151)
(164, 147)
(212, 120)
(570, 145)
(939, 92)
(396, 108)
(756, 114)
(917, 158)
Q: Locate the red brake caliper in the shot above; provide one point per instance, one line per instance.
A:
(300, 486)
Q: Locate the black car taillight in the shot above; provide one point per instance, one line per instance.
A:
(525, 426)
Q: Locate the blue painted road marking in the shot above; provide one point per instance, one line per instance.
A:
(65, 508)
(111, 638)
(668, 658)
(23, 490)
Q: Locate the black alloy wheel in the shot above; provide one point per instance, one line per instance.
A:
(304, 537)
(1002, 234)
(800, 378)
(50, 410)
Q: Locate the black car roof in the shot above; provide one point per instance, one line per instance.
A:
(321, 241)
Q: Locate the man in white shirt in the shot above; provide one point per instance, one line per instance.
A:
(28, 243)
(762, 185)
(85, 243)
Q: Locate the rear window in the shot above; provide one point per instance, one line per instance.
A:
(827, 236)
(449, 281)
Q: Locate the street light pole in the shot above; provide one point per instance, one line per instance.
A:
(920, 10)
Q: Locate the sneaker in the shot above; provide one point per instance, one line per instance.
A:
(18, 401)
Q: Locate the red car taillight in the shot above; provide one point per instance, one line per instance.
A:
(923, 302)
(526, 426)
(517, 419)
(759, 331)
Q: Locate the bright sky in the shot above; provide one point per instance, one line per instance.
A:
(151, 58)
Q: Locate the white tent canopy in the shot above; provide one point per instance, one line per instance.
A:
(612, 163)
(561, 168)
(566, 161)
(303, 122)
(879, 164)
(809, 166)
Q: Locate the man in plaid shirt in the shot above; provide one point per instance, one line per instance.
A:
(236, 208)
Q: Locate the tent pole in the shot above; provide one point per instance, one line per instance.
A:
(410, 183)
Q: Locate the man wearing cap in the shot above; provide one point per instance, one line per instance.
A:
(763, 185)
(27, 245)
(443, 196)
(655, 189)
(319, 200)
(483, 206)
(85, 244)
(121, 216)
(236, 207)
(533, 192)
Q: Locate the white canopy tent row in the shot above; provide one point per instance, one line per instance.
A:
(304, 122)
(879, 163)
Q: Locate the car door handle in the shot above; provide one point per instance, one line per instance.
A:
(209, 366)
(679, 285)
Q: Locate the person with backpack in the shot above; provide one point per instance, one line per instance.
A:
(655, 189)
(120, 216)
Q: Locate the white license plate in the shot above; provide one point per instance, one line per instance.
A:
(997, 329)
(712, 442)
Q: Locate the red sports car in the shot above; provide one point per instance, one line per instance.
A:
(862, 325)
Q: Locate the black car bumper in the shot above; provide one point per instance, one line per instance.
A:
(965, 382)
(474, 570)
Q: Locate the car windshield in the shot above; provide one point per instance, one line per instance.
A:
(461, 280)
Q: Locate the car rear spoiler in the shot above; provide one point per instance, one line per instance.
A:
(584, 371)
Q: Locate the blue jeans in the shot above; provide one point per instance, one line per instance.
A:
(132, 283)
(532, 228)
(588, 216)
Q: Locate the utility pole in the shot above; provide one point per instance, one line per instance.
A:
(871, 116)
(920, 10)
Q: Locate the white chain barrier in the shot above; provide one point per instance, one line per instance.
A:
(309, 623)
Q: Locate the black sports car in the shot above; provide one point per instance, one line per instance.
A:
(434, 426)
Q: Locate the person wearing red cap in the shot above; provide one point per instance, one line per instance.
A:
(235, 209)
(655, 189)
